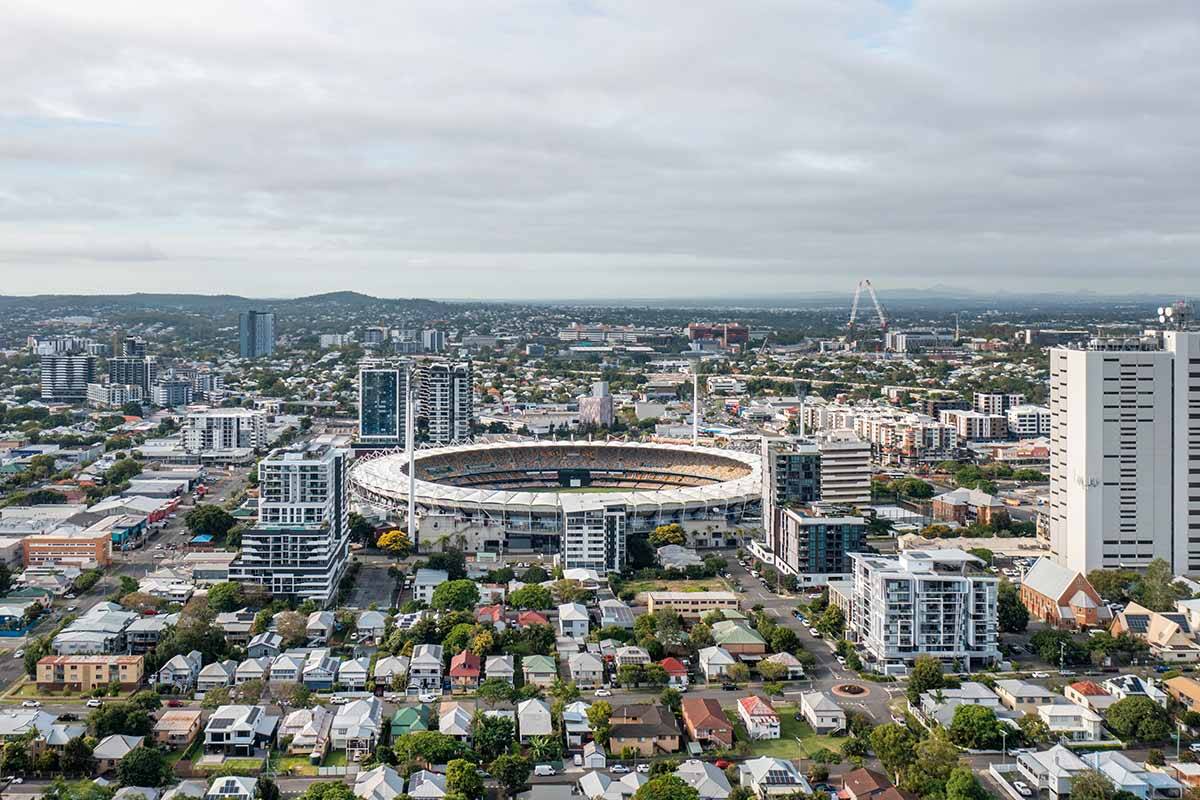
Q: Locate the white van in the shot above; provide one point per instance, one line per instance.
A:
(543, 770)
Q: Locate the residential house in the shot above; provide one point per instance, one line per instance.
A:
(370, 626)
(177, 727)
(85, 673)
(601, 786)
(575, 724)
(1061, 597)
(692, 605)
(232, 787)
(236, 625)
(110, 750)
(465, 670)
(632, 656)
(218, 674)
(615, 614)
(491, 615)
(769, 777)
(867, 784)
(409, 719)
(143, 633)
(1089, 694)
(964, 506)
(20, 722)
(1072, 722)
(252, 669)
(594, 756)
(320, 670)
(425, 581)
(1127, 775)
(759, 717)
(501, 667)
(1052, 771)
(677, 673)
(357, 727)
(738, 638)
(180, 672)
(706, 723)
(287, 668)
(715, 663)
(676, 556)
(533, 719)
(795, 670)
(527, 618)
(1023, 697)
(573, 621)
(425, 668)
(1169, 635)
(648, 729)
(587, 670)
(307, 731)
(822, 713)
(353, 672)
(381, 783)
(1124, 686)
(319, 628)
(239, 730)
(539, 670)
(184, 790)
(707, 779)
(426, 785)
(454, 719)
(1185, 690)
(267, 644)
(391, 671)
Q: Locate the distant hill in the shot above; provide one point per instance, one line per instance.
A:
(216, 303)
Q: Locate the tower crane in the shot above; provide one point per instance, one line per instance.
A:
(865, 283)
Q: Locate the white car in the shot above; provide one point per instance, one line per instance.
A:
(816, 634)
(602, 693)
(31, 704)
(1040, 675)
(619, 769)
(543, 770)
(19, 654)
(93, 703)
(841, 660)
(1022, 788)
(643, 767)
(16, 779)
(429, 697)
(338, 700)
(1194, 747)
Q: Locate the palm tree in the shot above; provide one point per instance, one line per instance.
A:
(543, 748)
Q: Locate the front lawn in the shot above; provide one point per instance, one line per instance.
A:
(655, 585)
(790, 730)
(301, 766)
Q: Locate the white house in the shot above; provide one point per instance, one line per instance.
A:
(319, 628)
(594, 756)
(575, 723)
(232, 787)
(533, 719)
(352, 673)
(1076, 723)
(252, 669)
(632, 655)
(587, 670)
(502, 667)
(426, 785)
(795, 670)
(1052, 770)
(771, 777)
(180, 672)
(1124, 686)
(356, 727)
(389, 668)
(707, 779)
(239, 730)
(1129, 776)
(715, 662)
(216, 675)
(573, 621)
(822, 713)
(759, 717)
(381, 783)
(425, 581)
(425, 667)
(370, 626)
(287, 668)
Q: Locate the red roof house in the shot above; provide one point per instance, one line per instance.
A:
(465, 670)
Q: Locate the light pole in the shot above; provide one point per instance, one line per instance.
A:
(1003, 745)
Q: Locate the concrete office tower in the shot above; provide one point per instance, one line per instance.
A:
(597, 408)
(433, 341)
(382, 400)
(133, 347)
(256, 334)
(937, 603)
(447, 400)
(845, 468)
(65, 378)
(220, 429)
(1124, 452)
(300, 545)
(135, 371)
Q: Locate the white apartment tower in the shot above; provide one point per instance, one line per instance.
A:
(220, 429)
(447, 400)
(845, 468)
(593, 534)
(937, 603)
(996, 403)
(300, 545)
(1125, 452)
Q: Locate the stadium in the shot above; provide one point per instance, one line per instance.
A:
(577, 499)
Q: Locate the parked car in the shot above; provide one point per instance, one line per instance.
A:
(1066, 673)
(19, 654)
(729, 687)
(93, 703)
(429, 697)
(543, 770)
(1040, 675)
(602, 693)
(1022, 788)
(1194, 747)
(643, 767)
(619, 769)
(31, 704)
(174, 703)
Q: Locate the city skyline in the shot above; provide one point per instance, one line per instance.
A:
(595, 150)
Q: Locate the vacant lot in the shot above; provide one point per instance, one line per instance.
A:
(701, 585)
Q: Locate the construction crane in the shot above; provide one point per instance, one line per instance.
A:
(865, 283)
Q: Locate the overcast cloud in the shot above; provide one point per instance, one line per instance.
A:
(591, 148)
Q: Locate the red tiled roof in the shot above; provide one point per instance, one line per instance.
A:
(1089, 689)
(673, 666)
(464, 665)
(756, 706)
(705, 712)
(531, 618)
(495, 613)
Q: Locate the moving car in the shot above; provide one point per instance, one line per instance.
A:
(1040, 675)
(19, 654)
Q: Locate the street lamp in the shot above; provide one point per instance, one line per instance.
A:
(1003, 745)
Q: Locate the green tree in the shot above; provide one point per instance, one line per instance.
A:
(209, 518)
(144, 766)
(226, 596)
(934, 758)
(1034, 729)
(894, 746)
(963, 785)
(77, 757)
(668, 534)
(512, 772)
(329, 790)
(122, 718)
(395, 542)
(1156, 589)
(926, 676)
(361, 531)
(975, 728)
(1138, 718)
(1113, 584)
(494, 690)
(671, 699)
(532, 596)
(492, 735)
(831, 623)
(666, 787)
(428, 747)
(738, 673)
(772, 671)
(1090, 785)
(462, 777)
(535, 574)
(599, 716)
(1011, 612)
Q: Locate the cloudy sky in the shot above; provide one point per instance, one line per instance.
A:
(445, 148)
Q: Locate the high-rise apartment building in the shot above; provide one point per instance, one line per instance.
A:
(597, 408)
(300, 546)
(65, 378)
(1028, 421)
(171, 393)
(433, 340)
(221, 429)
(845, 468)
(382, 403)
(133, 347)
(938, 603)
(1125, 452)
(447, 400)
(593, 534)
(134, 370)
(256, 334)
(113, 395)
(996, 403)
(816, 547)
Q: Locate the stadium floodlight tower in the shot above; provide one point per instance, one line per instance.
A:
(1178, 315)
(410, 438)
